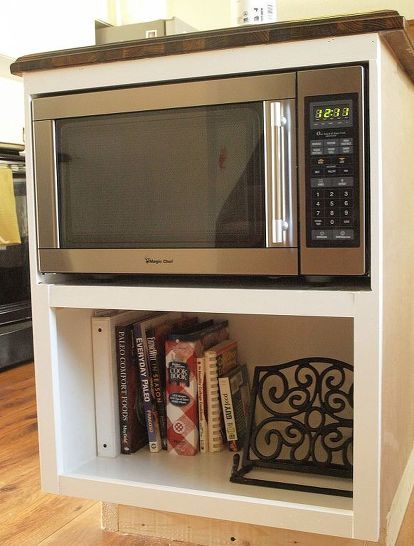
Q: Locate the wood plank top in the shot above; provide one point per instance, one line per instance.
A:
(389, 24)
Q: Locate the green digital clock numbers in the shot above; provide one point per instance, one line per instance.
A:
(327, 112)
(324, 112)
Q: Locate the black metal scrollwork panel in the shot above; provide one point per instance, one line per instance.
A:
(301, 419)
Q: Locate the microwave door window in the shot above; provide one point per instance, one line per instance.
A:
(182, 178)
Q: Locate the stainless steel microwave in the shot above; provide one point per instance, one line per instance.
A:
(244, 175)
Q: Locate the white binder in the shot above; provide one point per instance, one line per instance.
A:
(106, 377)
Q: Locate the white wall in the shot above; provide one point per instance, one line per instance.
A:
(201, 14)
(210, 14)
(11, 110)
(32, 26)
(306, 9)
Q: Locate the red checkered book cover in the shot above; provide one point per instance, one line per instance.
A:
(182, 350)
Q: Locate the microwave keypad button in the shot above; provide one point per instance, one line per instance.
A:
(330, 170)
(331, 142)
(332, 194)
(318, 194)
(346, 142)
(344, 160)
(346, 213)
(321, 235)
(347, 203)
(346, 222)
(318, 182)
(316, 147)
(343, 234)
(317, 171)
(332, 222)
(318, 222)
(317, 204)
(331, 150)
(319, 160)
(347, 171)
(346, 150)
(346, 194)
(345, 182)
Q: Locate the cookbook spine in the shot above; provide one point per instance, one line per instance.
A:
(157, 384)
(202, 405)
(132, 429)
(150, 409)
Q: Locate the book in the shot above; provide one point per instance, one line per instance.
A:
(182, 349)
(133, 430)
(219, 360)
(202, 405)
(149, 379)
(156, 336)
(235, 400)
(105, 373)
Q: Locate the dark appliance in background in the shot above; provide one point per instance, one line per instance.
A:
(16, 344)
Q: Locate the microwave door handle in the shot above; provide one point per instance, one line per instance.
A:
(275, 172)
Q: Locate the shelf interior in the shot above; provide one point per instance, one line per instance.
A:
(208, 474)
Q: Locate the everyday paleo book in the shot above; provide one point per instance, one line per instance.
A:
(150, 377)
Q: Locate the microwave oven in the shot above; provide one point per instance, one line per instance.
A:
(256, 174)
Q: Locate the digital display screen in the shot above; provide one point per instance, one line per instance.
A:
(331, 113)
(322, 112)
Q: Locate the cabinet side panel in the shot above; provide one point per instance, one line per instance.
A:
(398, 289)
(76, 387)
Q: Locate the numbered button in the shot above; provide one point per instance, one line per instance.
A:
(346, 194)
(346, 213)
(332, 194)
(317, 194)
(347, 203)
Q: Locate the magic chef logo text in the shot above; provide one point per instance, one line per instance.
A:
(157, 261)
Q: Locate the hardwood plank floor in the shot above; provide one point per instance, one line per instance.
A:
(29, 517)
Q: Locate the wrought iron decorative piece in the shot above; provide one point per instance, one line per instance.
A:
(301, 419)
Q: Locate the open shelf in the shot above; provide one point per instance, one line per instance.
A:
(201, 484)
(197, 485)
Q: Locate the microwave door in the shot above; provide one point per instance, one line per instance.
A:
(203, 189)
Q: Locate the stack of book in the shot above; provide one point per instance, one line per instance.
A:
(166, 380)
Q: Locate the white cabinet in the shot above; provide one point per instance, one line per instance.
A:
(369, 328)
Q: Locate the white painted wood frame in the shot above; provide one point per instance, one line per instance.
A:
(64, 368)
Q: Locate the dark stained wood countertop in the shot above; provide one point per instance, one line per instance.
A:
(390, 25)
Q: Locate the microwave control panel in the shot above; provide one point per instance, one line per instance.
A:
(332, 167)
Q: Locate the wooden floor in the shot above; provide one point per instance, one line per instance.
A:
(29, 517)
